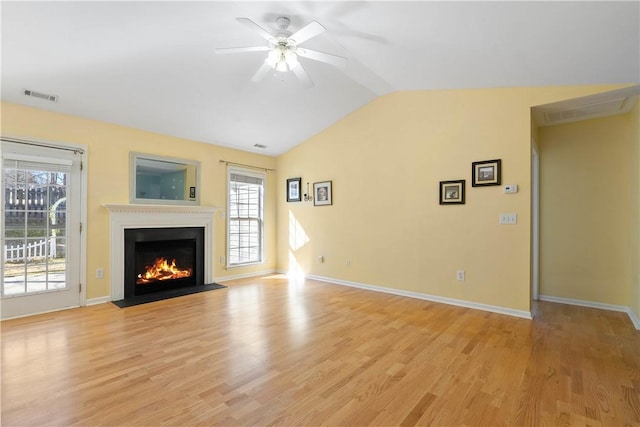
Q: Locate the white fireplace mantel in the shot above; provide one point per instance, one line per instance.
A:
(124, 217)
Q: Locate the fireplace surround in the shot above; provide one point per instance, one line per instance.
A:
(128, 217)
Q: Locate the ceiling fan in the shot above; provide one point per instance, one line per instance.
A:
(284, 49)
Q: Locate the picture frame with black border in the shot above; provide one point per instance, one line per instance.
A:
(452, 192)
(294, 190)
(486, 173)
(322, 193)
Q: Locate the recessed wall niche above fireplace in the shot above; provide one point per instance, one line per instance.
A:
(124, 218)
(160, 259)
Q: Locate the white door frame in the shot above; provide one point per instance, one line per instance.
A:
(535, 220)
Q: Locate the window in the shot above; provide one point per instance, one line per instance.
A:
(245, 218)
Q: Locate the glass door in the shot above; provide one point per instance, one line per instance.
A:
(40, 231)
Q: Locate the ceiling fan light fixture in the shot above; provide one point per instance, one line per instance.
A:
(291, 59)
(273, 57)
(282, 58)
(283, 49)
(281, 67)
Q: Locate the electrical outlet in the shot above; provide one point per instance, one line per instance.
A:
(508, 218)
(320, 259)
(460, 275)
(347, 262)
(222, 259)
(99, 273)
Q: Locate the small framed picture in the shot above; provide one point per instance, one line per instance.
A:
(452, 192)
(293, 189)
(486, 173)
(322, 193)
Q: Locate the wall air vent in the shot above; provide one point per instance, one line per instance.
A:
(260, 146)
(40, 95)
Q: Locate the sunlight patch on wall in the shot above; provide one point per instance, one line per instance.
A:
(297, 239)
(297, 236)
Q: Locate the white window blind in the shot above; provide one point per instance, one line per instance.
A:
(245, 218)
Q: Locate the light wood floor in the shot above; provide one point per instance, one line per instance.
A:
(268, 351)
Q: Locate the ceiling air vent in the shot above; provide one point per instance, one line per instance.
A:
(259, 146)
(598, 109)
(40, 95)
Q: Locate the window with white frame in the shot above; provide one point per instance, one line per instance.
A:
(245, 218)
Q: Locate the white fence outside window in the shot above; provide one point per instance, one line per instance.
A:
(31, 251)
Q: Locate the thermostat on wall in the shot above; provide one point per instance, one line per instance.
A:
(511, 188)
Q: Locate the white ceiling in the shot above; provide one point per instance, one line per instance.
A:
(152, 66)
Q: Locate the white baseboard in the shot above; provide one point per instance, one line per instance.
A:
(593, 304)
(434, 298)
(99, 300)
(245, 276)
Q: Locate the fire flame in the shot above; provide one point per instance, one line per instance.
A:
(162, 270)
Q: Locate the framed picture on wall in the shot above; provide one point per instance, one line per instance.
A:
(485, 173)
(322, 193)
(452, 192)
(293, 189)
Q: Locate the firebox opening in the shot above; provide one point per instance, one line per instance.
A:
(162, 259)
(162, 270)
(164, 262)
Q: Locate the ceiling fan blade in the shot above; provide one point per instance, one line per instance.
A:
(338, 61)
(255, 27)
(261, 73)
(223, 50)
(310, 30)
(302, 75)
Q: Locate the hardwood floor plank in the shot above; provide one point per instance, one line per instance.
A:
(274, 351)
(418, 411)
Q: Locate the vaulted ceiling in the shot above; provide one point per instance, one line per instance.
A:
(152, 65)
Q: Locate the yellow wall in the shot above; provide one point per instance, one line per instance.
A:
(108, 178)
(385, 161)
(587, 210)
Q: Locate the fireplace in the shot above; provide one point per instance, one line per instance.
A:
(160, 259)
(169, 224)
